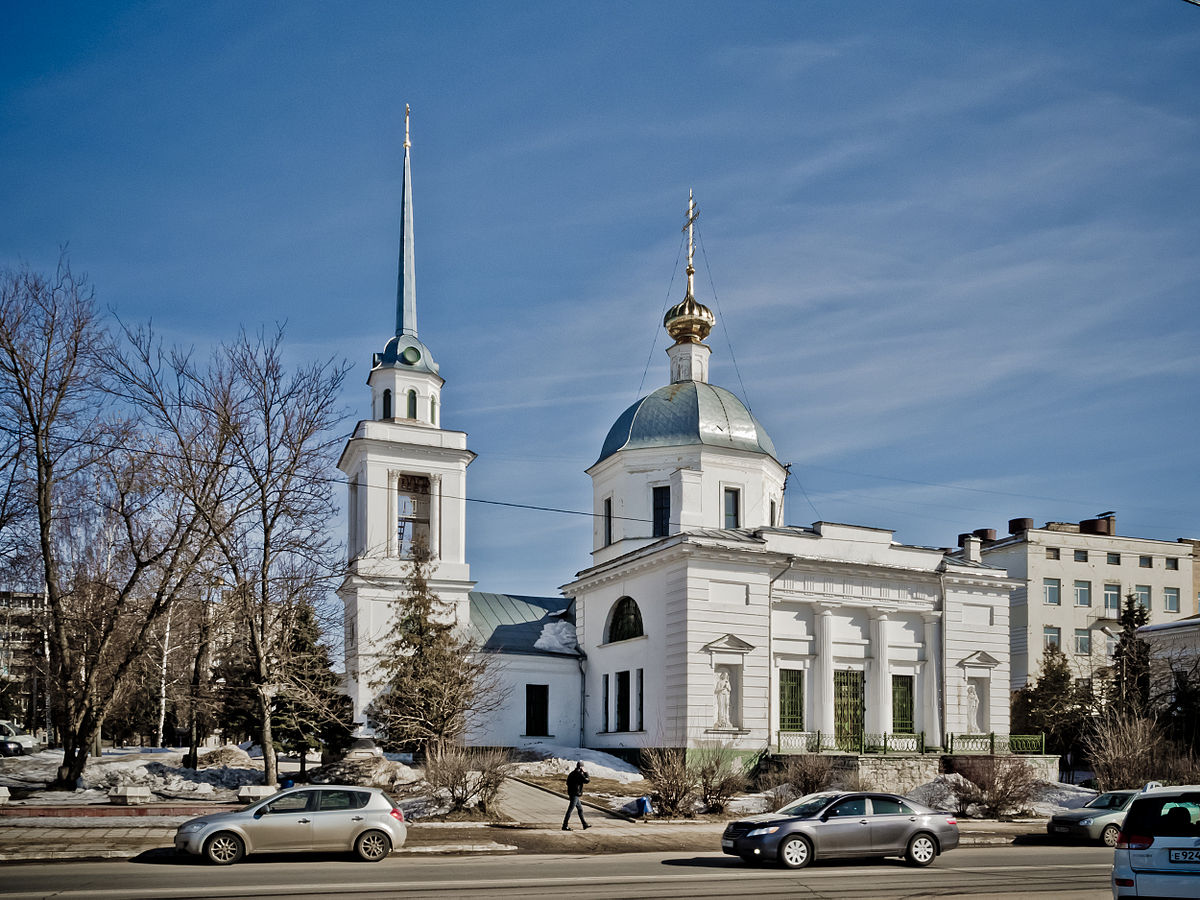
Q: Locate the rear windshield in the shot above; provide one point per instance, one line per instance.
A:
(1170, 816)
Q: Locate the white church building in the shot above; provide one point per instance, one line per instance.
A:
(700, 616)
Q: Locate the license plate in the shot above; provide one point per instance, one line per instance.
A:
(1185, 856)
(726, 845)
(1062, 828)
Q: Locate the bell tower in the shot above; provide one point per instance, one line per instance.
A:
(407, 479)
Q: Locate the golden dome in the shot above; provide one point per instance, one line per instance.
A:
(689, 321)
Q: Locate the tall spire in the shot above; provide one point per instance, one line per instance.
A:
(692, 216)
(406, 282)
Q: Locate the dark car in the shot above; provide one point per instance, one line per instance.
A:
(1099, 820)
(836, 824)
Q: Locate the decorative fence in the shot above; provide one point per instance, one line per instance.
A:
(865, 742)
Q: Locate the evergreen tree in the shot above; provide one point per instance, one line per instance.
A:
(1053, 705)
(236, 712)
(1131, 661)
(431, 675)
(312, 712)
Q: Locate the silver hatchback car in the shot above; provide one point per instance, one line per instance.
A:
(320, 817)
(841, 824)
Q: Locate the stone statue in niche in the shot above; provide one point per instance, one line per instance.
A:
(973, 726)
(722, 691)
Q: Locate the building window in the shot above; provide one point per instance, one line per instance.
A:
(1051, 553)
(1114, 559)
(1110, 645)
(902, 705)
(791, 700)
(1172, 563)
(772, 521)
(1171, 599)
(661, 521)
(1081, 556)
(1083, 641)
(733, 517)
(412, 514)
(626, 621)
(387, 403)
(537, 710)
(1112, 597)
(1142, 591)
(1052, 591)
(607, 521)
(1146, 562)
(604, 693)
(1083, 593)
(641, 700)
(622, 711)
(412, 404)
(1051, 637)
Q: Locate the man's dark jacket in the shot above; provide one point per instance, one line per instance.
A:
(575, 782)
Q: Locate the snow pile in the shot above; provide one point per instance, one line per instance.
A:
(229, 755)
(1050, 797)
(376, 771)
(557, 637)
(559, 760)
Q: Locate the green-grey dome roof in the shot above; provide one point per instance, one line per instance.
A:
(688, 412)
(404, 351)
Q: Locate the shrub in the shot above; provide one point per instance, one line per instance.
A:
(794, 776)
(719, 775)
(999, 785)
(468, 778)
(1126, 751)
(673, 780)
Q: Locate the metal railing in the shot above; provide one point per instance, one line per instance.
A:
(992, 743)
(863, 742)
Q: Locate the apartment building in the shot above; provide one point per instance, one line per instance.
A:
(20, 646)
(1072, 580)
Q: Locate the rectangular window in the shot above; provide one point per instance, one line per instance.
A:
(1083, 593)
(733, 518)
(1172, 563)
(1171, 599)
(622, 711)
(661, 521)
(641, 699)
(772, 521)
(607, 521)
(1083, 641)
(791, 700)
(1051, 636)
(1143, 594)
(1110, 645)
(1052, 591)
(604, 716)
(1112, 598)
(1081, 556)
(1114, 559)
(537, 710)
(902, 705)
(1146, 562)
(1051, 553)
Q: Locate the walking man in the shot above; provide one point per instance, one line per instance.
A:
(575, 782)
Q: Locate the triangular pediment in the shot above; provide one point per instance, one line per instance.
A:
(728, 644)
(980, 659)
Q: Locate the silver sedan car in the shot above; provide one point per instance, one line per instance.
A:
(361, 820)
(835, 824)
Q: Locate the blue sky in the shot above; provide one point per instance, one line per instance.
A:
(953, 245)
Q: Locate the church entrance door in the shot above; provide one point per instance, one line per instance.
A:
(849, 702)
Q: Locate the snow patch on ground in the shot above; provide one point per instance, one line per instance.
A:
(559, 760)
(1050, 797)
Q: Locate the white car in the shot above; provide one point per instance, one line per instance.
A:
(10, 732)
(348, 818)
(1158, 850)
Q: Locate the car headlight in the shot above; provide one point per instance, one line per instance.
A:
(1086, 821)
(759, 832)
(190, 827)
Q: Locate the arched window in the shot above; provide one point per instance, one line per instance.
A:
(387, 404)
(626, 621)
(433, 414)
(412, 404)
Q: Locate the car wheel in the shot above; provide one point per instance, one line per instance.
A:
(921, 850)
(372, 846)
(1108, 837)
(795, 852)
(224, 848)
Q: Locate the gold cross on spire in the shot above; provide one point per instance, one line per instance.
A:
(692, 215)
(407, 143)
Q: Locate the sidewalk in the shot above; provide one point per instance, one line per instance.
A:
(111, 832)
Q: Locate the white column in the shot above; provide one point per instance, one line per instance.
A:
(879, 704)
(931, 675)
(823, 669)
(435, 516)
